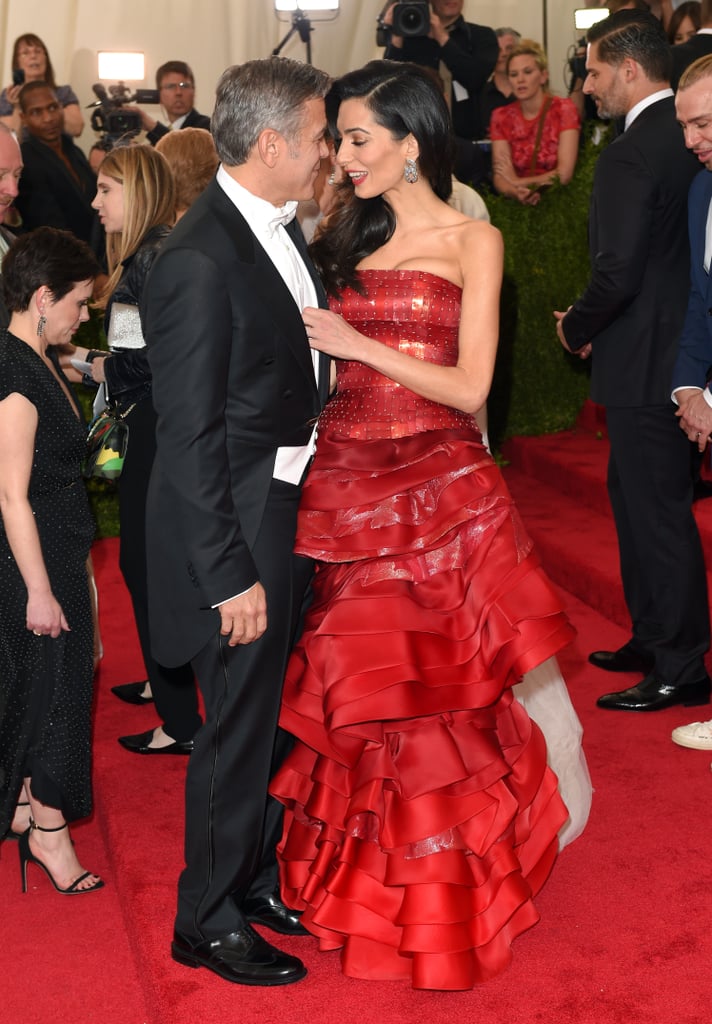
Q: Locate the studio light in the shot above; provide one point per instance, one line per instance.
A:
(125, 66)
(301, 13)
(586, 17)
(318, 9)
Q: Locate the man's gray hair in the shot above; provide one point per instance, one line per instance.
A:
(258, 95)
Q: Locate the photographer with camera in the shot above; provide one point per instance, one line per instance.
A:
(436, 35)
(176, 90)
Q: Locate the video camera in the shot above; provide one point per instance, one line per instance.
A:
(410, 18)
(109, 119)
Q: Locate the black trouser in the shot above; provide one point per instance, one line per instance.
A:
(231, 826)
(174, 690)
(661, 558)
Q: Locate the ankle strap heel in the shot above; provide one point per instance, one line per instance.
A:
(39, 828)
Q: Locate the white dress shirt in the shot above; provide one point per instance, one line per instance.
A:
(267, 223)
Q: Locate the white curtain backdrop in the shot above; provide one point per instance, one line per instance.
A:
(212, 34)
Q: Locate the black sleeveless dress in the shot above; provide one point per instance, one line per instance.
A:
(45, 683)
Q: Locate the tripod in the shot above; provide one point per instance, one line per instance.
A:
(302, 25)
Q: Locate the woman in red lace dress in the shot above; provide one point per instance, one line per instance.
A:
(535, 140)
(421, 816)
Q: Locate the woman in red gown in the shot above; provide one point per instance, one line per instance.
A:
(421, 816)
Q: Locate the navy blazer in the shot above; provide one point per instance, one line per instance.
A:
(694, 355)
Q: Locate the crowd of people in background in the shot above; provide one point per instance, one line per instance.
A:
(227, 341)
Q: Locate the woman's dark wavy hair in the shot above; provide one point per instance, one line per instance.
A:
(405, 99)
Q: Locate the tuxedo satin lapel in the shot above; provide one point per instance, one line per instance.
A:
(270, 291)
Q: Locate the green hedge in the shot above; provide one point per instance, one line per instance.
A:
(538, 387)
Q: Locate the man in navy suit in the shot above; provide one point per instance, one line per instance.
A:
(694, 359)
(629, 317)
(237, 392)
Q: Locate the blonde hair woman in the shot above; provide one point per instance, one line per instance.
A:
(136, 201)
(193, 159)
(534, 140)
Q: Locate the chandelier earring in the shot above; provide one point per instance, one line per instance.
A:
(41, 325)
(331, 180)
(410, 172)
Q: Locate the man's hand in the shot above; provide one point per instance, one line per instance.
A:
(437, 30)
(244, 618)
(695, 416)
(584, 352)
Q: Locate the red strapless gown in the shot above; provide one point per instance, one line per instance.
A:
(420, 815)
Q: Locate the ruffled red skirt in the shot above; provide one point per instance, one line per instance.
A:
(420, 815)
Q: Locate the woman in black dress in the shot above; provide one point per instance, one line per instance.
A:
(46, 532)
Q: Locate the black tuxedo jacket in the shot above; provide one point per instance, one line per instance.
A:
(193, 120)
(232, 381)
(50, 195)
(633, 307)
(687, 53)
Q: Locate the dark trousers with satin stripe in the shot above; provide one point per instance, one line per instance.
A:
(661, 558)
(231, 825)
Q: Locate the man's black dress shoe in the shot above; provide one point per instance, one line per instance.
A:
(653, 694)
(139, 744)
(132, 693)
(272, 913)
(243, 957)
(626, 659)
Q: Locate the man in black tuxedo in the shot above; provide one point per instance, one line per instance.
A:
(236, 396)
(699, 46)
(630, 317)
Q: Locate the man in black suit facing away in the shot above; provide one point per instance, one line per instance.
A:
(629, 317)
(236, 396)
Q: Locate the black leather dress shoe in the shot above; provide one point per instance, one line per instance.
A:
(653, 694)
(132, 693)
(139, 744)
(626, 659)
(243, 957)
(272, 913)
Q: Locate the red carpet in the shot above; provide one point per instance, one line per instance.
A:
(624, 935)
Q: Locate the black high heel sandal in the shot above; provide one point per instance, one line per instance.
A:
(27, 856)
(11, 833)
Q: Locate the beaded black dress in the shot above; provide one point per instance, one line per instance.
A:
(45, 683)
(420, 815)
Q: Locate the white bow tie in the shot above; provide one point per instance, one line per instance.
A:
(284, 215)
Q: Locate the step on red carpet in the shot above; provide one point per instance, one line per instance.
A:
(624, 933)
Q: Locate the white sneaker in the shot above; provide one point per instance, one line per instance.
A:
(696, 735)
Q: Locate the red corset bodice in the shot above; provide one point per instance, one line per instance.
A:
(411, 310)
